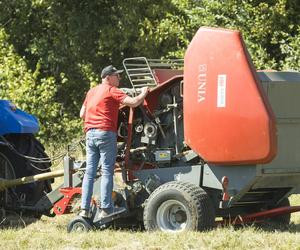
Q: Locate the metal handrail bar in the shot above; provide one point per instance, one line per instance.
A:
(143, 80)
(145, 85)
(139, 69)
(141, 74)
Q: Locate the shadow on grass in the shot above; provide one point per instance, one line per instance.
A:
(292, 228)
(16, 220)
(268, 227)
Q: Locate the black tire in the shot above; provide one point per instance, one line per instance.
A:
(284, 219)
(79, 224)
(13, 166)
(179, 206)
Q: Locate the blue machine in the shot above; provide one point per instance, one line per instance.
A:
(13, 120)
(21, 154)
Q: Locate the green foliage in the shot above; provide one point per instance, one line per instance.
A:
(33, 94)
(270, 28)
(291, 52)
(56, 48)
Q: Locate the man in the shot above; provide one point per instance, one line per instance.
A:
(100, 113)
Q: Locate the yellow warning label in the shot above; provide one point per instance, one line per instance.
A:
(163, 155)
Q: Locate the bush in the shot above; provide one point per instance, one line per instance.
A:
(35, 95)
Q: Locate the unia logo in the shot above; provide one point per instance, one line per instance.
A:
(201, 80)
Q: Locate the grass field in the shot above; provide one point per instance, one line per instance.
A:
(50, 233)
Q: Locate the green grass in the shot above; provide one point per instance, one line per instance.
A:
(50, 233)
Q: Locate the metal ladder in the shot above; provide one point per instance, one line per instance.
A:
(139, 70)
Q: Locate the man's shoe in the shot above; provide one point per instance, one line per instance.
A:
(106, 213)
(103, 214)
(84, 213)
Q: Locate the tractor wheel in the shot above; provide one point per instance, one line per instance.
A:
(14, 166)
(283, 220)
(79, 224)
(179, 206)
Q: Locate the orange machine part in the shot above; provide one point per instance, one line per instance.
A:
(227, 117)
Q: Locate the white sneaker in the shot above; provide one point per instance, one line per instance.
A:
(84, 213)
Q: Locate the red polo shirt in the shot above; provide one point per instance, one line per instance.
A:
(102, 107)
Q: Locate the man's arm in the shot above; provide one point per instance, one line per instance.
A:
(136, 101)
(82, 112)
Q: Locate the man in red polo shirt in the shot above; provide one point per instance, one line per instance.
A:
(100, 113)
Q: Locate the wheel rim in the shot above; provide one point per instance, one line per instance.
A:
(172, 215)
(79, 227)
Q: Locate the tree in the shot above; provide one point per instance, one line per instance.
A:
(62, 45)
(33, 94)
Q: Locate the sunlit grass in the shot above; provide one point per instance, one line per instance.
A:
(50, 233)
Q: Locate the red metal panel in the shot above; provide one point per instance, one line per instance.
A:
(152, 97)
(163, 75)
(64, 205)
(227, 118)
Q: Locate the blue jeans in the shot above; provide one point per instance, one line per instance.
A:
(101, 147)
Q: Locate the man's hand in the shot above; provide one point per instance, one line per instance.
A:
(145, 90)
(136, 101)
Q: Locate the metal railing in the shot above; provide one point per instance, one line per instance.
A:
(140, 70)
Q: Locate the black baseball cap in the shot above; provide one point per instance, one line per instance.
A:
(109, 70)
